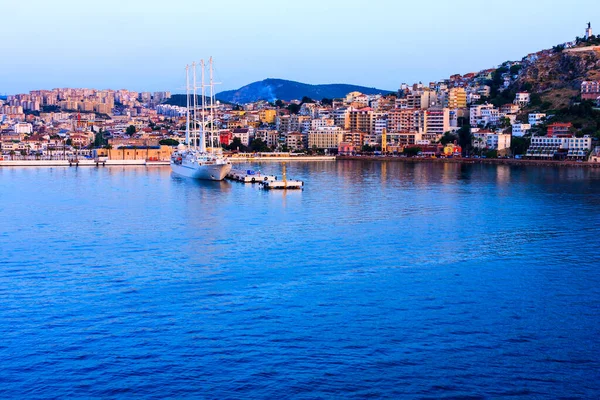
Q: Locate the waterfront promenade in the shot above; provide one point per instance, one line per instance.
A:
(142, 162)
(490, 161)
(86, 162)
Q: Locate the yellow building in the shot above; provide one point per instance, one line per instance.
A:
(452, 149)
(152, 153)
(457, 98)
(267, 116)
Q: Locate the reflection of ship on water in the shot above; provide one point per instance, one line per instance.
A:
(194, 161)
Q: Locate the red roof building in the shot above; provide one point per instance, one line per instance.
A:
(225, 138)
(559, 128)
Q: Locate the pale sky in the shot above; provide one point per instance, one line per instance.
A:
(144, 44)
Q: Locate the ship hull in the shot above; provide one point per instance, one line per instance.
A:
(213, 172)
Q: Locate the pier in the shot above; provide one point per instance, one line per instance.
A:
(249, 176)
(283, 184)
(80, 162)
(268, 182)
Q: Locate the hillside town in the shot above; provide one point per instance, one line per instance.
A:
(470, 115)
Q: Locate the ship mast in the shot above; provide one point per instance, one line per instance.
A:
(212, 106)
(187, 114)
(203, 136)
(195, 103)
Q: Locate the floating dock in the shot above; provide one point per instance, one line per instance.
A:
(267, 181)
(250, 176)
(283, 184)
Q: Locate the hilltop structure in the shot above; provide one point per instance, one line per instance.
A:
(588, 31)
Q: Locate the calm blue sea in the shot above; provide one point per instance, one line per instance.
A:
(378, 280)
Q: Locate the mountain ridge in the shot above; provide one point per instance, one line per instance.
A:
(272, 89)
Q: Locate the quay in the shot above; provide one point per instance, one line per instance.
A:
(489, 161)
(80, 163)
(249, 157)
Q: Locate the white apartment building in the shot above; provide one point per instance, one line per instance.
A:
(437, 121)
(520, 129)
(341, 117)
(378, 123)
(548, 147)
(536, 118)
(321, 122)
(522, 99)
(171, 111)
(473, 98)
(491, 140)
(484, 114)
(243, 134)
(23, 127)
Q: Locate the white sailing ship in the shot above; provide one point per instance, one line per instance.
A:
(193, 159)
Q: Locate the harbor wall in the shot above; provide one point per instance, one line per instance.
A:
(493, 161)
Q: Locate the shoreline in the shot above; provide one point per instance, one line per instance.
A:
(490, 161)
(282, 159)
(144, 163)
(240, 160)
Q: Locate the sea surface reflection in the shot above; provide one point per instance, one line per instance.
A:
(378, 280)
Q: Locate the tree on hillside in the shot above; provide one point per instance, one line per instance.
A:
(169, 142)
(236, 144)
(504, 123)
(308, 100)
(99, 140)
(448, 137)
(130, 130)
(411, 151)
(464, 138)
(294, 108)
(258, 145)
(535, 100)
(327, 102)
(519, 145)
(279, 103)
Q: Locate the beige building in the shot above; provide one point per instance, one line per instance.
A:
(295, 141)
(270, 137)
(406, 120)
(325, 138)
(360, 120)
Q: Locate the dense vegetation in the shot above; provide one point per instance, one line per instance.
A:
(584, 117)
(169, 142)
(181, 100)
